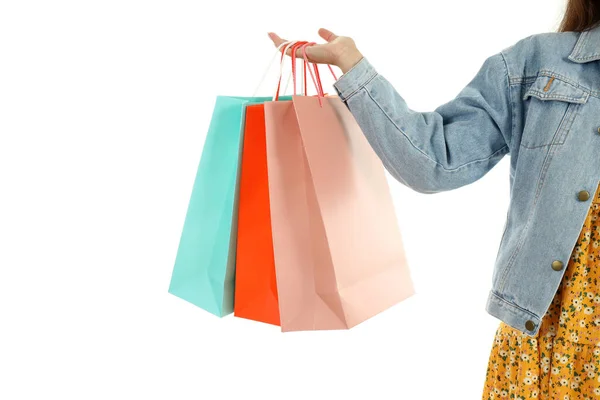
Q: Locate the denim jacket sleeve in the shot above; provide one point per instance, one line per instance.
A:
(430, 152)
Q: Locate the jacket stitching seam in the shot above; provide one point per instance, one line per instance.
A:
(525, 80)
(510, 99)
(384, 155)
(513, 304)
(519, 245)
(566, 79)
(587, 58)
(492, 155)
(578, 45)
(375, 74)
(563, 129)
(567, 123)
(515, 81)
(556, 96)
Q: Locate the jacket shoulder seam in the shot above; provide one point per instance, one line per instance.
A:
(510, 100)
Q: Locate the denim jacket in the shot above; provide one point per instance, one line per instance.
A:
(537, 101)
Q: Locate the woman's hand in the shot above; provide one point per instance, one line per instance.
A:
(339, 50)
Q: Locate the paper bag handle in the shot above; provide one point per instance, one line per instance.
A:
(316, 78)
(262, 80)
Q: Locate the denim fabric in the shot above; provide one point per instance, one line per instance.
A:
(537, 101)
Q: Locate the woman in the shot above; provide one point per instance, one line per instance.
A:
(538, 101)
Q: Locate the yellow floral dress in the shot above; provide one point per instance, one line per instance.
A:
(562, 362)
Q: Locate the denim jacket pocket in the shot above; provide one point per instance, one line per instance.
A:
(550, 105)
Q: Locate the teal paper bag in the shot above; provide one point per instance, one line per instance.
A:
(204, 270)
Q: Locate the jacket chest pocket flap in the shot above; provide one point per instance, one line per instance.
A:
(550, 105)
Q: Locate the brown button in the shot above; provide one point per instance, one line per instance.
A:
(583, 195)
(557, 265)
(529, 325)
(598, 129)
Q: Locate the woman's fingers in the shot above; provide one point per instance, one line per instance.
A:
(340, 51)
(276, 39)
(279, 41)
(327, 35)
(317, 53)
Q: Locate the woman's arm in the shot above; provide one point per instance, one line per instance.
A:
(430, 152)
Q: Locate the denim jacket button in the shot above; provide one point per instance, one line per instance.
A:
(529, 325)
(557, 265)
(599, 129)
(583, 195)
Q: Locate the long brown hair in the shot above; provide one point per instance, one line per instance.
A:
(580, 15)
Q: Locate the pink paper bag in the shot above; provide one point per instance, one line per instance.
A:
(338, 250)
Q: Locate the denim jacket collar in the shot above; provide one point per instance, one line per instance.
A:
(587, 47)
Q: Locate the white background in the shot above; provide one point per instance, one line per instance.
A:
(104, 106)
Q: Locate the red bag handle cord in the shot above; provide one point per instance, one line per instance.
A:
(305, 81)
(316, 77)
(317, 80)
(283, 51)
(328, 65)
(294, 48)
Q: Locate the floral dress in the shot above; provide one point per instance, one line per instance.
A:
(562, 362)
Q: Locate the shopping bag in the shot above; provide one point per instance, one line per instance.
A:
(338, 250)
(204, 270)
(256, 286)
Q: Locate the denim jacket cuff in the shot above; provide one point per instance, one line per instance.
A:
(354, 79)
